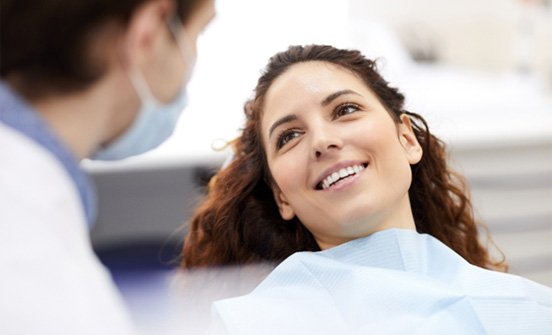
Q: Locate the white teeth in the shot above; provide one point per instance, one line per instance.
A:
(342, 173)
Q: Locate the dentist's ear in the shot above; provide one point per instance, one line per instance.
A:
(286, 212)
(146, 26)
(409, 142)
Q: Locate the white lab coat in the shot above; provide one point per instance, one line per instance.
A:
(50, 280)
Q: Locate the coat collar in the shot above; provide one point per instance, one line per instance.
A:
(16, 113)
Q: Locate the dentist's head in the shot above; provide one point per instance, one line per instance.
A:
(109, 77)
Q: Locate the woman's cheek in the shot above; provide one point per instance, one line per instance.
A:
(288, 171)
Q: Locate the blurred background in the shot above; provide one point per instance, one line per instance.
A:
(479, 71)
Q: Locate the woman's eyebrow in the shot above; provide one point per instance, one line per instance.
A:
(325, 102)
(285, 119)
(335, 95)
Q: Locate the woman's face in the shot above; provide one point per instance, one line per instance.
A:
(339, 161)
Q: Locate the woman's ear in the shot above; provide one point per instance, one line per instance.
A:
(409, 142)
(286, 212)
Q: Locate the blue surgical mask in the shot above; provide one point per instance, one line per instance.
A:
(155, 121)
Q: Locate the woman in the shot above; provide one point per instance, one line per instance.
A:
(80, 79)
(329, 162)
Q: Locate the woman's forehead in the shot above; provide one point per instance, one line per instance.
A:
(311, 76)
(309, 83)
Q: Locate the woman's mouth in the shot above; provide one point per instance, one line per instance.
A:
(340, 175)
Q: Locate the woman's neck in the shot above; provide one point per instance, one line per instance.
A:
(399, 217)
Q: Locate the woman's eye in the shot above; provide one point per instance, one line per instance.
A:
(286, 136)
(345, 109)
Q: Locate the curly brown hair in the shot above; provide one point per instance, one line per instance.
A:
(238, 222)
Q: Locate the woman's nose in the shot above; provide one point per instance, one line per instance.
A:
(325, 142)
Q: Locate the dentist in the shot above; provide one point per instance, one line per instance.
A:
(96, 79)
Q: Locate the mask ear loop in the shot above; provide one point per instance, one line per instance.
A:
(181, 38)
(141, 86)
(137, 78)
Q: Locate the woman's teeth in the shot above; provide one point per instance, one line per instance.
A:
(341, 174)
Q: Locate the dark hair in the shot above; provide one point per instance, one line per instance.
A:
(238, 221)
(48, 43)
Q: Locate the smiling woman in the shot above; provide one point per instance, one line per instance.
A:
(350, 160)
(329, 162)
(318, 110)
